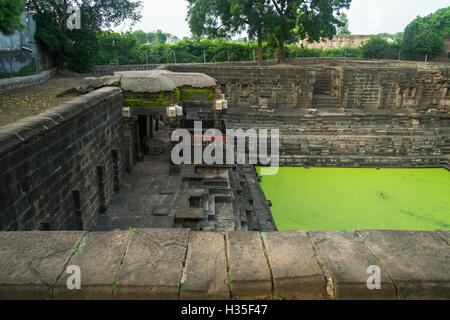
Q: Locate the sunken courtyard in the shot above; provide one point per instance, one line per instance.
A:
(93, 183)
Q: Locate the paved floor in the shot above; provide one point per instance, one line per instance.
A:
(221, 199)
(19, 103)
(146, 187)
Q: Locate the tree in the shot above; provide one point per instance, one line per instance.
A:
(274, 20)
(377, 47)
(344, 29)
(10, 16)
(310, 19)
(426, 35)
(77, 48)
(222, 18)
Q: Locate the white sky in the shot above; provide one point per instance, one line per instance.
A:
(365, 16)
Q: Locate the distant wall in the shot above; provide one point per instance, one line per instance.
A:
(394, 88)
(245, 86)
(354, 139)
(13, 55)
(18, 82)
(58, 169)
(339, 41)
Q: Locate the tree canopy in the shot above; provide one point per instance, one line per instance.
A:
(75, 47)
(426, 35)
(10, 16)
(267, 19)
(344, 29)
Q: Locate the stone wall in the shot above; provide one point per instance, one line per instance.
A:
(354, 138)
(18, 82)
(157, 264)
(59, 168)
(244, 86)
(394, 88)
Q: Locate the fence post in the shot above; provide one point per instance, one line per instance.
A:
(204, 56)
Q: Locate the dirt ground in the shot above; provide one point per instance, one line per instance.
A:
(23, 102)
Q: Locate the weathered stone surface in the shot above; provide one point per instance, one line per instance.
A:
(153, 265)
(296, 272)
(47, 158)
(91, 83)
(163, 222)
(162, 80)
(347, 258)
(444, 235)
(190, 213)
(249, 274)
(99, 257)
(32, 262)
(206, 269)
(418, 262)
(161, 211)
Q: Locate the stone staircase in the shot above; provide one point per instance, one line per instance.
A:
(323, 83)
(322, 92)
(325, 101)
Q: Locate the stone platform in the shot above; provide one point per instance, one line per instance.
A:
(182, 264)
(221, 198)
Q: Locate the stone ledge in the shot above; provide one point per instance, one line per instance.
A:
(18, 82)
(23, 131)
(180, 264)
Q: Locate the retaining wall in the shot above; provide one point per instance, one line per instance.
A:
(59, 168)
(355, 138)
(178, 264)
(18, 82)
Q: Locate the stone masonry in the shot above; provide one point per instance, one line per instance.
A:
(183, 264)
(60, 168)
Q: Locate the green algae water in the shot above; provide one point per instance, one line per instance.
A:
(355, 199)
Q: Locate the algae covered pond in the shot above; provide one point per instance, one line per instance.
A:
(353, 199)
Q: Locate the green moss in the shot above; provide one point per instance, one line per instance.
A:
(162, 99)
(167, 99)
(190, 93)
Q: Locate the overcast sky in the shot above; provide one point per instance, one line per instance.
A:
(365, 16)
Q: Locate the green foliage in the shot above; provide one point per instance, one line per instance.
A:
(28, 69)
(377, 47)
(344, 29)
(190, 51)
(276, 21)
(425, 35)
(76, 49)
(10, 16)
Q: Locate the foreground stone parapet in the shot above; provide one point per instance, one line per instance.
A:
(99, 256)
(32, 262)
(345, 256)
(296, 272)
(249, 275)
(205, 275)
(180, 264)
(418, 262)
(153, 265)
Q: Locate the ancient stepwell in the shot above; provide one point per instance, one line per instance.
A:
(91, 183)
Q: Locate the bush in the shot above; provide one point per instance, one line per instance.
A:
(378, 48)
(126, 51)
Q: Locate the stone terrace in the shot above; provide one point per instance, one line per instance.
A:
(181, 264)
